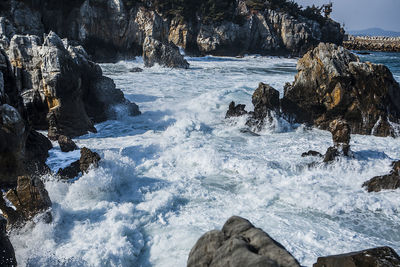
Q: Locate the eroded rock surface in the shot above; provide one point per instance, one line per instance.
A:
(239, 244)
(385, 182)
(66, 144)
(88, 158)
(163, 53)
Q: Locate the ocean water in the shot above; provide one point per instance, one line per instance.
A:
(180, 169)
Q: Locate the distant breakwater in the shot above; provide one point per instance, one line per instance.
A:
(372, 43)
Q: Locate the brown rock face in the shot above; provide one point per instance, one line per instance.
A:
(239, 244)
(332, 84)
(163, 53)
(87, 159)
(29, 198)
(376, 257)
(66, 144)
(385, 182)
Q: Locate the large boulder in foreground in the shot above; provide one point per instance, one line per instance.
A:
(239, 244)
(163, 53)
(332, 84)
(376, 257)
(385, 182)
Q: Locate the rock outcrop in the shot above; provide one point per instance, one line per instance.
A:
(332, 84)
(7, 254)
(162, 53)
(340, 130)
(88, 158)
(382, 256)
(30, 198)
(385, 182)
(239, 243)
(235, 110)
(61, 89)
(115, 29)
(66, 144)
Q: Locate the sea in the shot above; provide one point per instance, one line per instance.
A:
(181, 169)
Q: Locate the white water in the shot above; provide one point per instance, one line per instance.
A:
(181, 169)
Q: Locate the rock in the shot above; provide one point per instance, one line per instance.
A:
(385, 182)
(12, 145)
(7, 254)
(29, 198)
(37, 148)
(332, 84)
(162, 53)
(87, 159)
(235, 110)
(311, 153)
(66, 144)
(331, 154)
(382, 256)
(340, 130)
(135, 70)
(70, 171)
(239, 243)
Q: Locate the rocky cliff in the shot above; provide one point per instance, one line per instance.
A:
(111, 29)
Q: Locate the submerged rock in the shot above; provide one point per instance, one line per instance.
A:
(7, 254)
(385, 182)
(66, 144)
(311, 153)
(332, 84)
(239, 243)
(29, 198)
(162, 53)
(382, 256)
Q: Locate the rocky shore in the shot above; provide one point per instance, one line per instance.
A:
(372, 43)
(113, 29)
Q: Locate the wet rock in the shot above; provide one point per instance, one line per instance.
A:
(88, 158)
(66, 144)
(29, 198)
(311, 153)
(331, 154)
(7, 254)
(135, 70)
(332, 84)
(385, 182)
(235, 110)
(382, 256)
(37, 148)
(239, 243)
(340, 130)
(163, 53)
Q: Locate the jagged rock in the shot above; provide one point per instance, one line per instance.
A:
(165, 54)
(7, 254)
(37, 148)
(235, 110)
(135, 70)
(61, 89)
(311, 153)
(340, 130)
(239, 243)
(12, 145)
(382, 256)
(332, 84)
(29, 198)
(385, 182)
(66, 144)
(87, 159)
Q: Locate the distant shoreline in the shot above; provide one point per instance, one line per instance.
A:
(372, 43)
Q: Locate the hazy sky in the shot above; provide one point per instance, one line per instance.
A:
(363, 14)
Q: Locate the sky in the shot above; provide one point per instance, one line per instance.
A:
(363, 14)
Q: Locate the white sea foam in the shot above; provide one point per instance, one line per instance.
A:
(180, 169)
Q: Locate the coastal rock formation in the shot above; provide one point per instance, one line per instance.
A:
(7, 254)
(239, 243)
(61, 89)
(235, 110)
(340, 130)
(66, 144)
(88, 158)
(372, 43)
(382, 256)
(332, 84)
(29, 198)
(385, 182)
(115, 29)
(164, 54)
